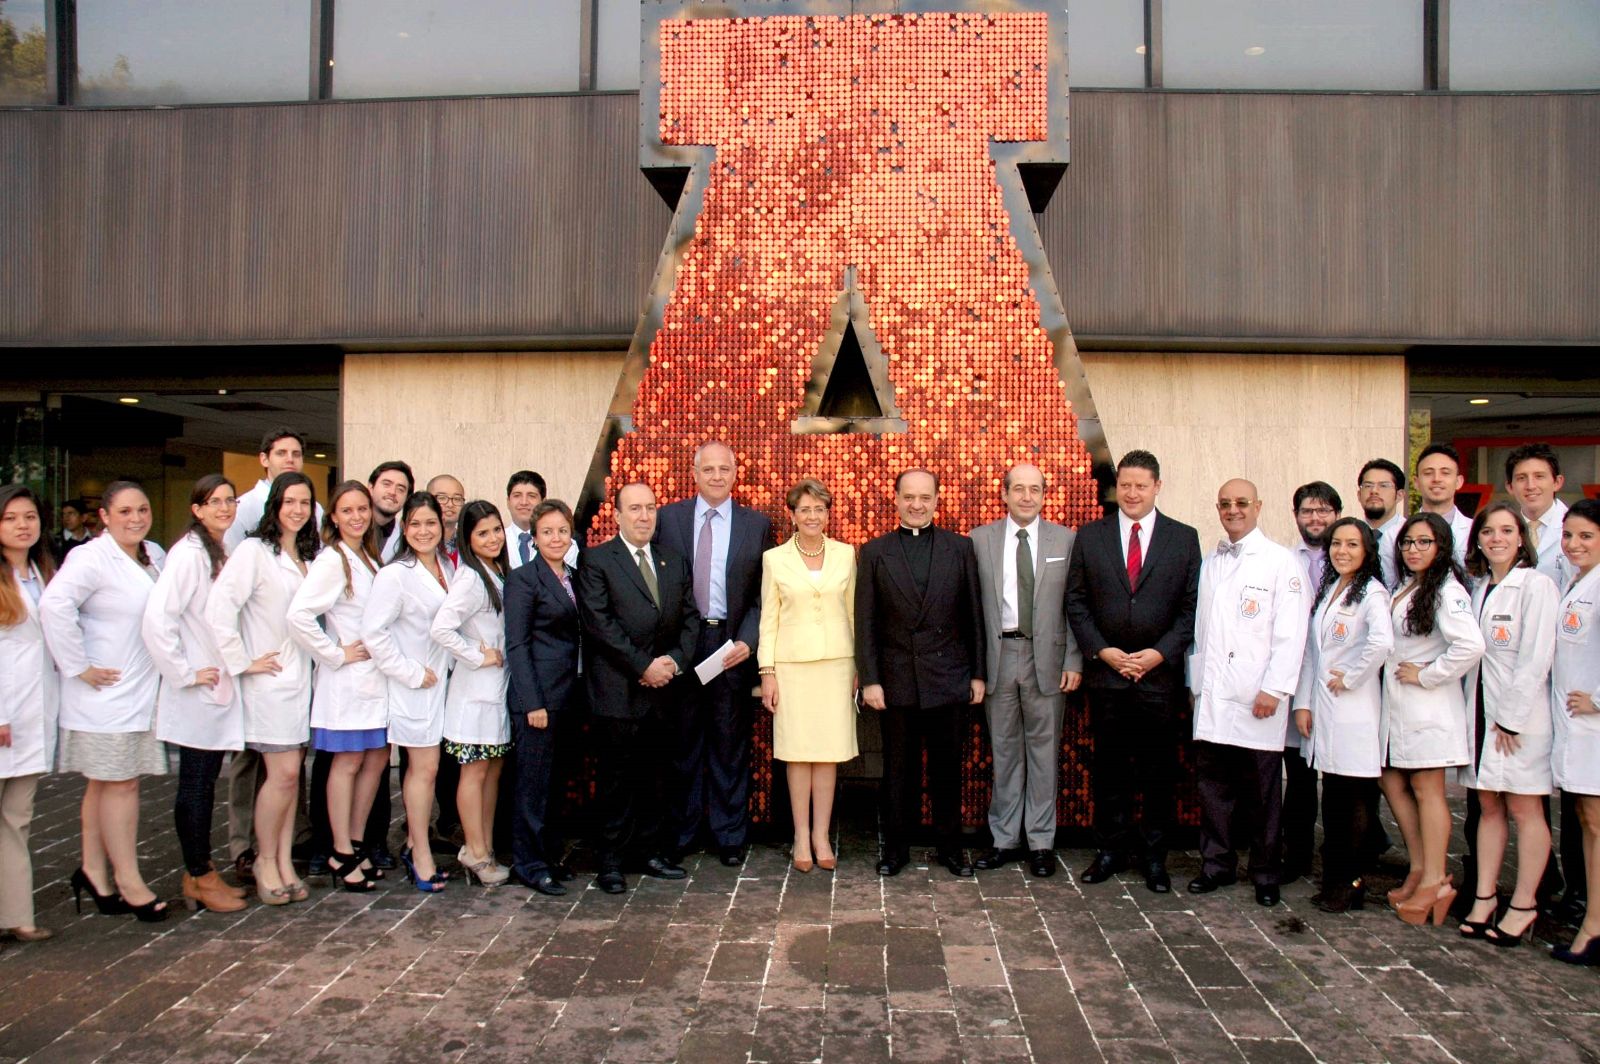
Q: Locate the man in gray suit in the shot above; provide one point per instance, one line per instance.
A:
(1033, 658)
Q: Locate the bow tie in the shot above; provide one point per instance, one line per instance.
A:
(1230, 549)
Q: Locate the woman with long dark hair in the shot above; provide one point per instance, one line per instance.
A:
(92, 612)
(1424, 728)
(1508, 699)
(477, 729)
(1338, 702)
(396, 628)
(199, 710)
(1575, 705)
(248, 611)
(30, 701)
(350, 707)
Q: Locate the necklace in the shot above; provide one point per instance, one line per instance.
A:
(810, 553)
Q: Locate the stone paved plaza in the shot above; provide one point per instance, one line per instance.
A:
(765, 964)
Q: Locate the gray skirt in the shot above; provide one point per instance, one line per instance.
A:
(112, 756)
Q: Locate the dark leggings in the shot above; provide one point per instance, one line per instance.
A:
(197, 794)
(1346, 817)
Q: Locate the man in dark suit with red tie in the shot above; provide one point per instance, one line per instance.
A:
(724, 543)
(1132, 587)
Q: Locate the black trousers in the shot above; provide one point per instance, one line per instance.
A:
(1347, 804)
(711, 756)
(630, 790)
(536, 842)
(321, 831)
(1240, 789)
(1135, 753)
(1299, 811)
(908, 731)
(191, 813)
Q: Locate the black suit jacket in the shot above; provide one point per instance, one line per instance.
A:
(543, 641)
(624, 631)
(749, 539)
(924, 650)
(1159, 614)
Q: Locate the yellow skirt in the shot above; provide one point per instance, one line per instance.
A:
(816, 718)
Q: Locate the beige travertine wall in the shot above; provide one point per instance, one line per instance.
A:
(1279, 420)
(479, 417)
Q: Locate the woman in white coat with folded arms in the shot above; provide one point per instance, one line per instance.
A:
(248, 612)
(477, 727)
(30, 699)
(91, 612)
(350, 707)
(1436, 640)
(1508, 700)
(1575, 705)
(1338, 702)
(199, 710)
(397, 630)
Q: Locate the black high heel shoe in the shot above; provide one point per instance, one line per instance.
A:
(1499, 936)
(1588, 956)
(1342, 899)
(1480, 929)
(108, 904)
(373, 869)
(341, 865)
(151, 912)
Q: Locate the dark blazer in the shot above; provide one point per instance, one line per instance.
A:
(623, 630)
(749, 539)
(925, 651)
(1159, 614)
(543, 640)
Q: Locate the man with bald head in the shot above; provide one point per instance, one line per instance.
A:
(1250, 634)
(1033, 659)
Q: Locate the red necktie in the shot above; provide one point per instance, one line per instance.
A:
(1135, 557)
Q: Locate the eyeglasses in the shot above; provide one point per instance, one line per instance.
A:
(1416, 544)
(1235, 504)
(450, 500)
(1315, 511)
(1376, 485)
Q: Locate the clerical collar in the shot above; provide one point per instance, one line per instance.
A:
(907, 530)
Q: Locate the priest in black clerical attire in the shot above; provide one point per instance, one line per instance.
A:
(919, 656)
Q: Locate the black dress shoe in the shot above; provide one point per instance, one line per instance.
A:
(1267, 894)
(562, 873)
(1205, 884)
(1292, 872)
(545, 883)
(955, 863)
(1569, 911)
(611, 882)
(1156, 879)
(891, 863)
(731, 856)
(1042, 863)
(318, 865)
(994, 857)
(381, 857)
(663, 868)
(1103, 867)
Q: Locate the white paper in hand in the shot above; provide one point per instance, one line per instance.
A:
(711, 668)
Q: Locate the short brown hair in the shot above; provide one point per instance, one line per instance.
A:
(812, 487)
(548, 507)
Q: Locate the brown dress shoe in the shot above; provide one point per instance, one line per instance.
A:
(210, 892)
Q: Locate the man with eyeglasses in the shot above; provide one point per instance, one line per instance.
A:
(1381, 486)
(1438, 479)
(451, 497)
(1250, 634)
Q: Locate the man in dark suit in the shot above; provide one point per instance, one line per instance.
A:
(74, 533)
(711, 760)
(1132, 587)
(639, 629)
(920, 658)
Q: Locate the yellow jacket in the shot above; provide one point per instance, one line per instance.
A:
(804, 619)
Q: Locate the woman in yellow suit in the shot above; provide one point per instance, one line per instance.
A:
(806, 658)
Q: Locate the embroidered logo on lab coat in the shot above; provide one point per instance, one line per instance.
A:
(1249, 607)
(1572, 623)
(1341, 632)
(1500, 635)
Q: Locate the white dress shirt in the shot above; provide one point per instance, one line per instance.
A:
(1125, 528)
(1008, 577)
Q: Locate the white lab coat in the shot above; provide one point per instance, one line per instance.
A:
(397, 627)
(353, 697)
(1356, 640)
(30, 695)
(1518, 622)
(1575, 753)
(248, 613)
(1426, 726)
(181, 643)
(91, 614)
(1250, 634)
(475, 709)
(252, 504)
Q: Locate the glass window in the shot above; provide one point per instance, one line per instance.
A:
(455, 48)
(1291, 44)
(1525, 44)
(617, 33)
(23, 52)
(1105, 43)
(185, 51)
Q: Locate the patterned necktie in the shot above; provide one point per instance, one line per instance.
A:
(702, 566)
(1024, 584)
(1135, 557)
(1534, 529)
(524, 541)
(649, 575)
(1230, 549)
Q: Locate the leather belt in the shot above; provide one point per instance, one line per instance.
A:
(712, 622)
(1014, 634)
